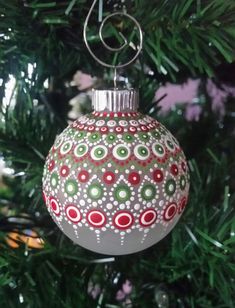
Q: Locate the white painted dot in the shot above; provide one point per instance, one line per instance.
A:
(82, 202)
(109, 206)
(137, 206)
(94, 191)
(122, 194)
(70, 187)
(122, 206)
(148, 192)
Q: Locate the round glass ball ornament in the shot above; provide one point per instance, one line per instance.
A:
(116, 181)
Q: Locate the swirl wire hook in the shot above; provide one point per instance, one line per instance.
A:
(115, 67)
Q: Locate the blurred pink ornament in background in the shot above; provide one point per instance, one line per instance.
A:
(82, 81)
(125, 291)
(184, 93)
(187, 93)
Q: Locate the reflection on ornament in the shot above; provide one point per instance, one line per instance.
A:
(116, 182)
(27, 237)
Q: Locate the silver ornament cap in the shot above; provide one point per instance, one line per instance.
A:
(115, 100)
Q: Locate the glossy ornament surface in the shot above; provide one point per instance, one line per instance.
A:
(116, 182)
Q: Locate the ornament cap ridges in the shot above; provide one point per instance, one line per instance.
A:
(115, 100)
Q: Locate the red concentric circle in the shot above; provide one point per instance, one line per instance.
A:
(51, 165)
(132, 129)
(96, 218)
(170, 212)
(104, 129)
(83, 176)
(134, 178)
(182, 205)
(123, 220)
(91, 128)
(174, 169)
(54, 206)
(183, 166)
(148, 217)
(158, 175)
(118, 129)
(73, 213)
(64, 171)
(109, 177)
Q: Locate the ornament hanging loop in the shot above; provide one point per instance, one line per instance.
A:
(117, 49)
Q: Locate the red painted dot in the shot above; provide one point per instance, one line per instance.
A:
(132, 129)
(109, 177)
(123, 220)
(96, 218)
(182, 205)
(51, 165)
(170, 211)
(64, 171)
(158, 175)
(144, 128)
(148, 217)
(119, 129)
(183, 165)
(83, 176)
(54, 206)
(174, 169)
(134, 178)
(104, 129)
(91, 128)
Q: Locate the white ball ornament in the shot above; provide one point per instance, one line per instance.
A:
(116, 181)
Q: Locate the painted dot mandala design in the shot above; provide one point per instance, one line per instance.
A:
(116, 183)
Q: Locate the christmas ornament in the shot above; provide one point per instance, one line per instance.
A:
(116, 181)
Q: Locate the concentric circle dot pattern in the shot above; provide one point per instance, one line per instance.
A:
(116, 183)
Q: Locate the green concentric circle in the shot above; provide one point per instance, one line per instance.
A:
(80, 150)
(95, 191)
(111, 138)
(170, 187)
(94, 137)
(71, 187)
(148, 192)
(182, 182)
(122, 193)
(54, 180)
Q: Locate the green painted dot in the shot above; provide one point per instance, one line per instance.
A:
(148, 192)
(79, 136)
(159, 149)
(80, 150)
(99, 152)
(156, 135)
(143, 151)
(170, 144)
(54, 180)
(144, 137)
(94, 137)
(122, 152)
(170, 187)
(95, 191)
(71, 187)
(122, 193)
(182, 182)
(111, 138)
(128, 138)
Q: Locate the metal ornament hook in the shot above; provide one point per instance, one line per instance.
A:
(115, 67)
